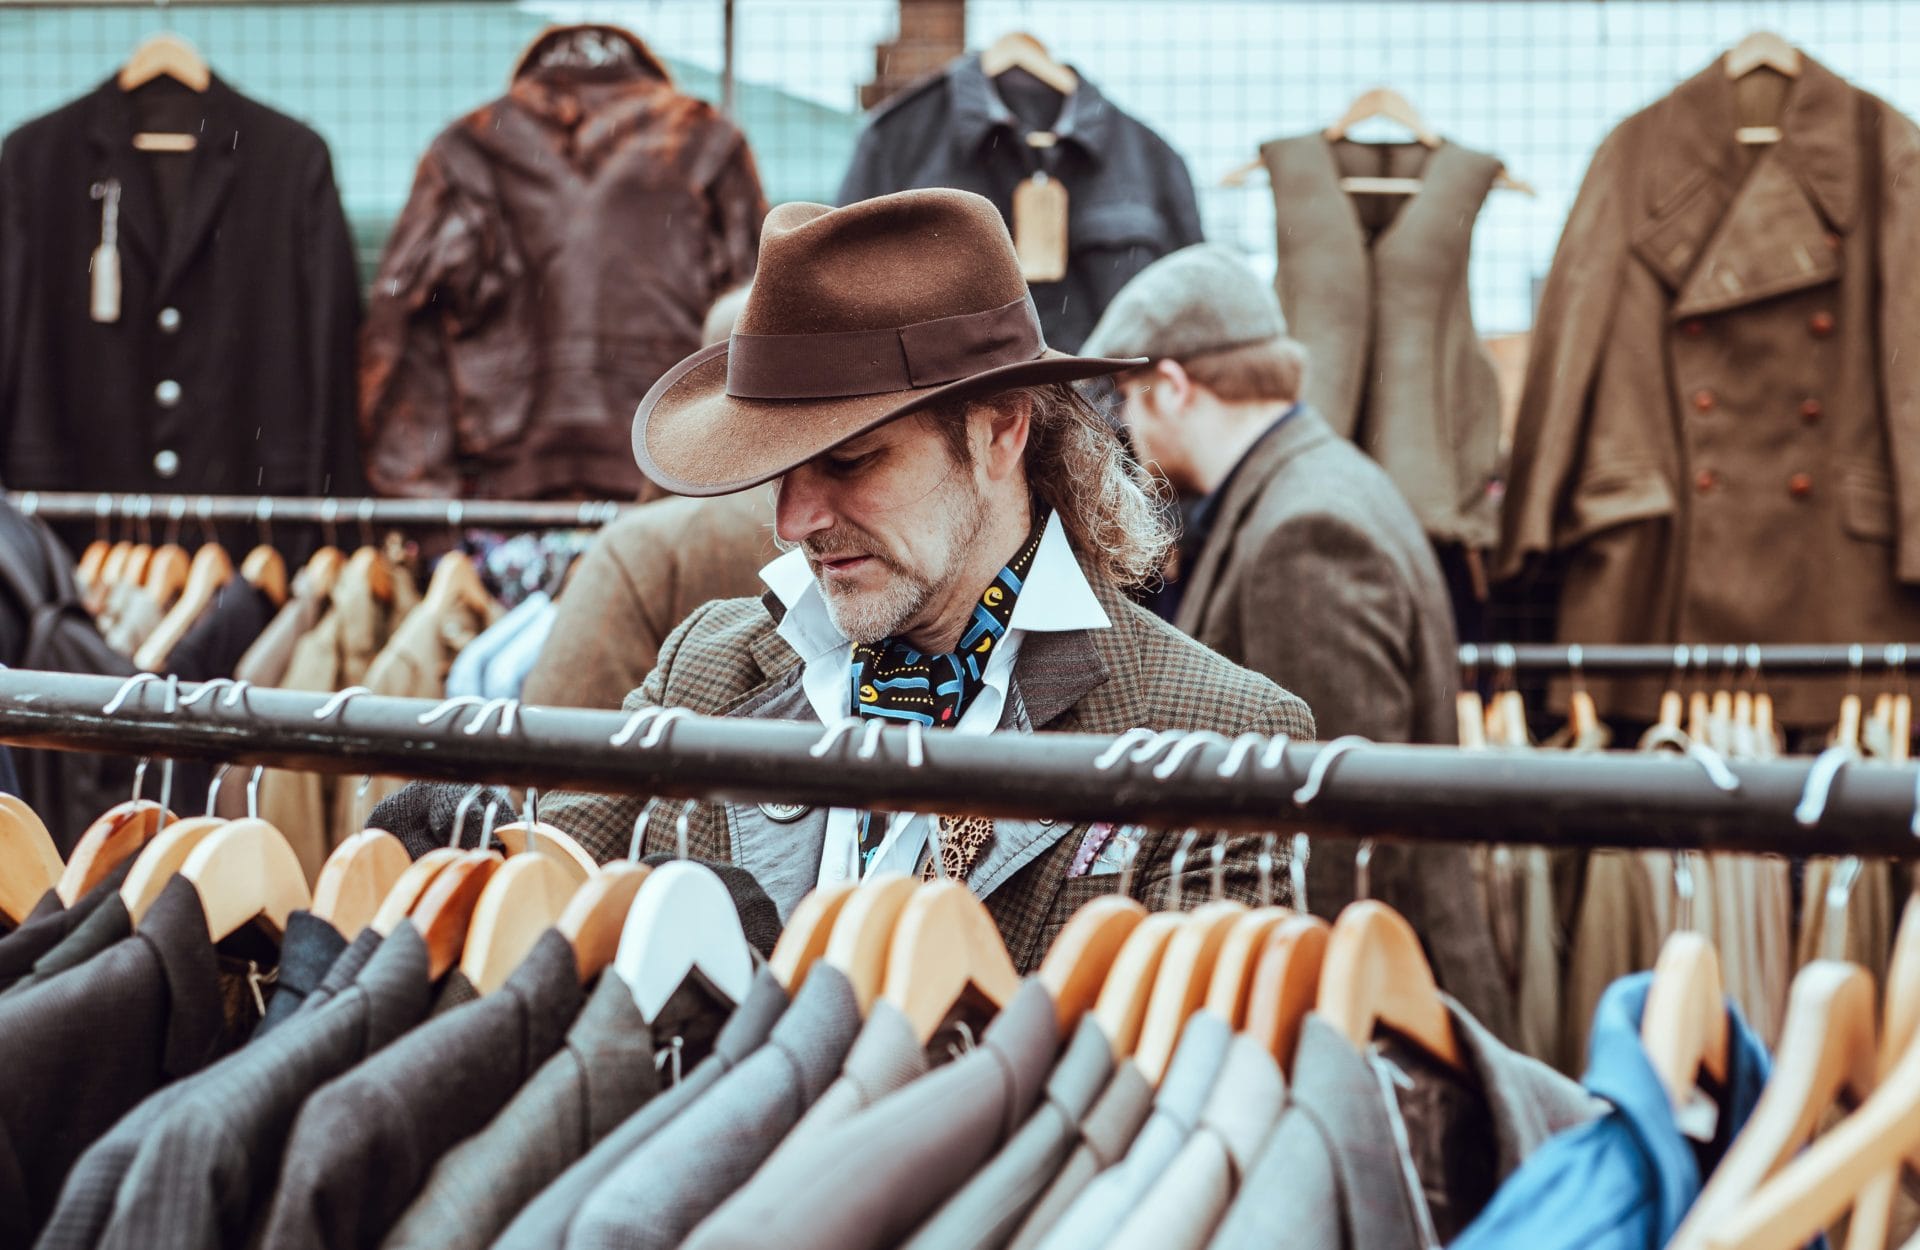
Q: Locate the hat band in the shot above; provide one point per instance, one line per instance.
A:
(878, 362)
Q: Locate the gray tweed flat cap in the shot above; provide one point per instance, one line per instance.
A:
(1200, 299)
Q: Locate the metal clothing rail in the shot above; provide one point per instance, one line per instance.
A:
(1172, 780)
(1658, 659)
(310, 509)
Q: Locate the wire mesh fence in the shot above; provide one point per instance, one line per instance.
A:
(1536, 83)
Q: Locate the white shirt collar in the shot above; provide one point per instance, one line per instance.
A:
(1057, 597)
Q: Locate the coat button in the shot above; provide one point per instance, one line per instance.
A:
(1693, 327)
(169, 320)
(1705, 480)
(1821, 323)
(166, 462)
(167, 394)
(1800, 485)
(1811, 411)
(1703, 401)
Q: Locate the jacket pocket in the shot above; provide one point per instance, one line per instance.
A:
(1117, 224)
(1867, 508)
(1615, 494)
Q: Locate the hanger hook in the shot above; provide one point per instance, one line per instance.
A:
(1179, 868)
(639, 829)
(336, 706)
(140, 777)
(360, 801)
(1323, 763)
(166, 762)
(657, 731)
(253, 791)
(1218, 871)
(366, 522)
(635, 723)
(213, 685)
(1363, 869)
(1819, 788)
(132, 684)
(1297, 871)
(1264, 864)
(936, 846)
(1576, 665)
(1153, 746)
(530, 807)
(506, 708)
(329, 514)
(448, 707)
(1683, 889)
(486, 824)
(263, 520)
(680, 831)
(1120, 746)
(467, 801)
(916, 744)
(834, 733)
(1182, 749)
(213, 787)
(1237, 754)
(1130, 853)
(870, 741)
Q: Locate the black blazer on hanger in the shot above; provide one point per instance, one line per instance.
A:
(229, 368)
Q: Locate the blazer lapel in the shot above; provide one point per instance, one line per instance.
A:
(209, 180)
(1301, 432)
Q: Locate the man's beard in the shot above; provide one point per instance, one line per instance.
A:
(869, 616)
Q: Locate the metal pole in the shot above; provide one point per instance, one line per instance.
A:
(313, 509)
(726, 61)
(1730, 659)
(1403, 792)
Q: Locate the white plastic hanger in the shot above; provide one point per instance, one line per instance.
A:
(682, 921)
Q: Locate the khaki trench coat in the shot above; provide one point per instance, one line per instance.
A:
(1721, 421)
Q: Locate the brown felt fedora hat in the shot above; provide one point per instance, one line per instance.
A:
(857, 315)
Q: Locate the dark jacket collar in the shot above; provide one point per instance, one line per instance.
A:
(175, 927)
(1086, 119)
(643, 64)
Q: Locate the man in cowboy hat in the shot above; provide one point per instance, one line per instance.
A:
(960, 527)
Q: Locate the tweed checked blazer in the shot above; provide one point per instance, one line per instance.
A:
(727, 660)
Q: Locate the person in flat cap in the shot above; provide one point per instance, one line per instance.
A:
(960, 530)
(1301, 560)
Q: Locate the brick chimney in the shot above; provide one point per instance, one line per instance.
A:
(932, 32)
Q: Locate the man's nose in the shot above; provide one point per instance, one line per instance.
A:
(800, 506)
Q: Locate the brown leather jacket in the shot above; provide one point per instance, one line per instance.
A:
(556, 256)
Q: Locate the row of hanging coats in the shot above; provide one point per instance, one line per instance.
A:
(501, 1043)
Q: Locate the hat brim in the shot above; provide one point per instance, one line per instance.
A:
(692, 438)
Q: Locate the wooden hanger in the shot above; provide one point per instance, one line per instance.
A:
(167, 574)
(682, 922)
(1083, 953)
(1375, 973)
(1390, 105)
(169, 55)
(542, 838)
(1470, 714)
(1121, 1009)
(525, 897)
(1761, 50)
(1018, 50)
(446, 907)
(1683, 1027)
(944, 944)
(805, 937)
(863, 934)
(266, 571)
(357, 878)
(1286, 985)
(407, 891)
(1230, 990)
(246, 870)
(1870, 1225)
(160, 859)
(1180, 986)
(119, 832)
(597, 912)
(369, 568)
(139, 560)
(456, 585)
(114, 565)
(323, 570)
(212, 568)
(1826, 1047)
(87, 571)
(29, 862)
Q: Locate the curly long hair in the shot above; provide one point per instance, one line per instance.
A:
(1116, 515)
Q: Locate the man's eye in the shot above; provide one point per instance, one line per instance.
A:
(846, 464)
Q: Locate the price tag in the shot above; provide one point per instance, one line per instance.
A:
(1040, 228)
